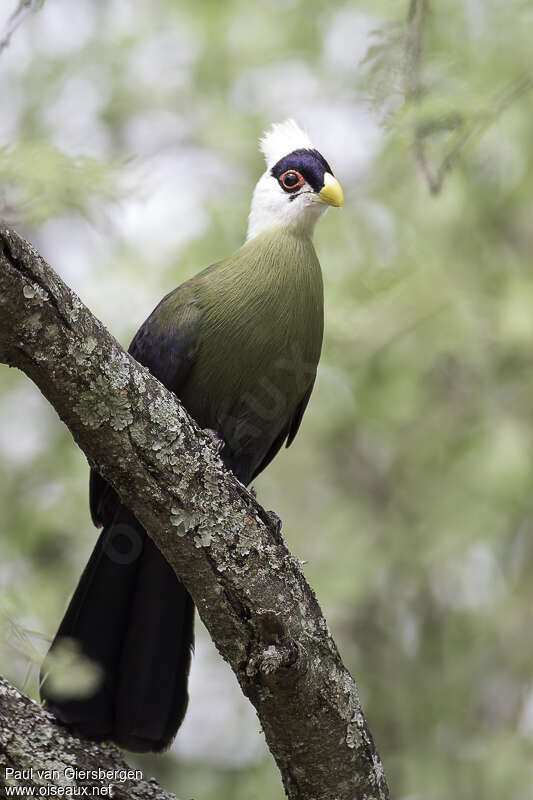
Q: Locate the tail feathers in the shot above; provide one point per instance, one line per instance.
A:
(132, 616)
(162, 614)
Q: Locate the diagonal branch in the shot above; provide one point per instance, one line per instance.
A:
(249, 590)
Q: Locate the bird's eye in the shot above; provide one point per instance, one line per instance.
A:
(291, 180)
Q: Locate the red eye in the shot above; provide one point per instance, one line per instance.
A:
(291, 180)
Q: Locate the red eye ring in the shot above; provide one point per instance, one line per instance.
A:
(290, 186)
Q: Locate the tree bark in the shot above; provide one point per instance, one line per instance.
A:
(227, 550)
(38, 753)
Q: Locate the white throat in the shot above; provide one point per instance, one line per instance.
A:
(272, 209)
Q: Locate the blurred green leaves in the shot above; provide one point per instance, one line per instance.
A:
(408, 489)
(39, 181)
(69, 673)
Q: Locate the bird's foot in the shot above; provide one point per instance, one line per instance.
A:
(218, 443)
(276, 521)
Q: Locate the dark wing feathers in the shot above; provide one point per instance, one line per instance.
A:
(165, 344)
(298, 414)
(103, 500)
(288, 432)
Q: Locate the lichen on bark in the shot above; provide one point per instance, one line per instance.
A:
(228, 551)
(36, 751)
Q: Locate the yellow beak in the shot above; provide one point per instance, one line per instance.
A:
(331, 193)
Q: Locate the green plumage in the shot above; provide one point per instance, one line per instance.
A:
(239, 344)
(246, 335)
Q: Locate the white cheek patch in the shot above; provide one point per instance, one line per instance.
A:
(272, 207)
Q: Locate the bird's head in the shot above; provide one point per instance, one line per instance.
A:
(298, 185)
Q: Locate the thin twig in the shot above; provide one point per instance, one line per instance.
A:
(466, 128)
(24, 8)
(477, 125)
(416, 20)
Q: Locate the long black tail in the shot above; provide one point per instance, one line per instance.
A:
(132, 616)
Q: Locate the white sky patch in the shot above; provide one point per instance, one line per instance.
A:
(150, 131)
(221, 725)
(476, 16)
(86, 257)
(24, 431)
(72, 117)
(170, 209)
(279, 91)
(62, 27)
(74, 247)
(382, 222)
(163, 60)
(348, 136)
(470, 582)
(16, 57)
(11, 110)
(122, 17)
(348, 39)
(499, 158)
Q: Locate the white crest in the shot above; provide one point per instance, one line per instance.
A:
(281, 139)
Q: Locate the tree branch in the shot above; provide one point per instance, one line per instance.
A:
(464, 129)
(249, 590)
(36, 751)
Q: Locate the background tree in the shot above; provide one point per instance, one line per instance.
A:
(126, 157)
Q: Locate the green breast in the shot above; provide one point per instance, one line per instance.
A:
(261, 333)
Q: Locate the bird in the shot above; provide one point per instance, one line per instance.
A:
(239, 345)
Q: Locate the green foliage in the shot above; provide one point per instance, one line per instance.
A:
(69, 673)
(408, 489)
(42, 182)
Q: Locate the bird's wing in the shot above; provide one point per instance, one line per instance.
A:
(166, 344)
(288, 432)
(298, 414)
